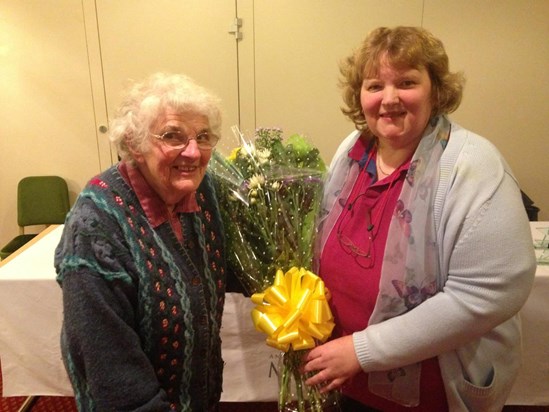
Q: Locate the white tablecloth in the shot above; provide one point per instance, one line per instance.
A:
(532, 385)
(30, 321)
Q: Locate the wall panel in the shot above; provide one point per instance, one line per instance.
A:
(47, 117)
(503, 49)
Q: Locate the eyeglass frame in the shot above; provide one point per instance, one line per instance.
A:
(161, 137)
(348, 246)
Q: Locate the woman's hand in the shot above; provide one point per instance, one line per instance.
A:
(334, 363)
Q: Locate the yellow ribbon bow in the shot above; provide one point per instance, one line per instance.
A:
(293, 311)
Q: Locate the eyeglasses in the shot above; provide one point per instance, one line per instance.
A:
(176, 139)
(364, 256)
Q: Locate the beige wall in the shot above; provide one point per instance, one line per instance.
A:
(47, 123)
(63, 65)
(62, 68)
(504, 53)
(502, 47)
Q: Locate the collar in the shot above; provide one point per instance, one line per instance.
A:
(152, 204)
(364, 152)
(360, 150)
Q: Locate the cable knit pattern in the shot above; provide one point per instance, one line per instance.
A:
(169, 296)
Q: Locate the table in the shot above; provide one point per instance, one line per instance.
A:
(30, 303)
(30, 321)
(532, 385)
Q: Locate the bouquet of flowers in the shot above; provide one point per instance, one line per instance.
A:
(269, 192)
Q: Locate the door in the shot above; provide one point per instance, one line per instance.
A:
(140, 37)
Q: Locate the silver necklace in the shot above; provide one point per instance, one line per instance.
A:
(378, 164)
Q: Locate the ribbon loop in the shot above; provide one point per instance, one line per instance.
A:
(294, 311)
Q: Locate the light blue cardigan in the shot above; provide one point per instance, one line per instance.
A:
(487, 266)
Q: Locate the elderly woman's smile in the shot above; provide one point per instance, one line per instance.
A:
(175, 172)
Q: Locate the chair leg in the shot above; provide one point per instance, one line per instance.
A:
(27, 405)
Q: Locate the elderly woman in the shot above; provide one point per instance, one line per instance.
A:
(141, 261)
(425, 245)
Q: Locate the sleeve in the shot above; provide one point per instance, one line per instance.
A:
(487, 252)
(101, 349)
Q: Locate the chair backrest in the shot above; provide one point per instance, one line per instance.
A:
(42, 200)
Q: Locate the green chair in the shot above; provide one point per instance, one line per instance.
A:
(41, 200)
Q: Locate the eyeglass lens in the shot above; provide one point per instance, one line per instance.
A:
(177, 139)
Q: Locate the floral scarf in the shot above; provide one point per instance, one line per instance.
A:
(410, 271)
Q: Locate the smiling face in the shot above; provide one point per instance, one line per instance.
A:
(174, 173)
(397, 104)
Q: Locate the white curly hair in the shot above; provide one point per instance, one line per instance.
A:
(146, 100)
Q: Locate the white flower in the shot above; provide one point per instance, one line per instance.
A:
(256, 181)
(263, 155)
(276, 185)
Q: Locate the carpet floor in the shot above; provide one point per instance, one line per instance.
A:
(38, 404)
(66, 404)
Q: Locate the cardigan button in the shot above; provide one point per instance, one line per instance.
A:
(196, 281)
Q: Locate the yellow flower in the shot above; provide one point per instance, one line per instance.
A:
(234, 154)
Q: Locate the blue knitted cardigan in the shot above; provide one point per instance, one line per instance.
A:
(142, 311)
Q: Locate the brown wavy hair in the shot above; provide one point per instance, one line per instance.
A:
(405, 47)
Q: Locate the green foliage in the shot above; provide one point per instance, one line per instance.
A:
(269, 192)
